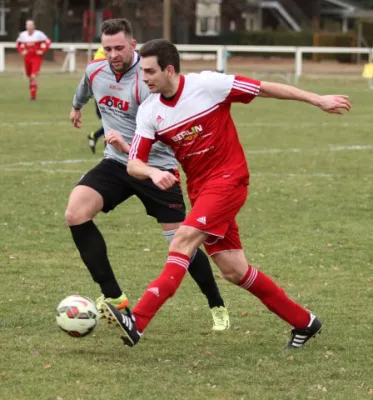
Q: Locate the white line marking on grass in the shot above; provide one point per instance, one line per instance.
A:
(239, 124)
(34, 123)
(252, 174)
(331, 148)
(274, 174)
(50, 171)
(352, 147)
(52, 162)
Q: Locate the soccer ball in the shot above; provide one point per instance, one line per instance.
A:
(77, 316)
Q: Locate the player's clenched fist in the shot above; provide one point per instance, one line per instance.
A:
(163, 179)
(115, 139)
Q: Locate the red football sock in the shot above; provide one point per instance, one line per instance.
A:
(161, 289)
(276, 300)
(33, 89)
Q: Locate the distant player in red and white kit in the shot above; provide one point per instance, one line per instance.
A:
(32, 44)
(191, 114)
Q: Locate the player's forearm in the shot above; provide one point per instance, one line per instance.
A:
(286, 92)
(139, 169)
(47, 44)
(81, 97)
(82, 94)
(78, 102)
(20, 49)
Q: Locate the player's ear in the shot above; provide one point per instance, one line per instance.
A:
(170, 70)
(134, 43)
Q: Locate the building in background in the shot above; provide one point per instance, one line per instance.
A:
(192, 21)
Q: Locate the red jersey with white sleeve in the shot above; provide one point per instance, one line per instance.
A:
(37, 41)
(197, 124)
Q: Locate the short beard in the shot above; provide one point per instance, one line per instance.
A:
(125, 67)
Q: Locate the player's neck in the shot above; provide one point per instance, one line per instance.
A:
(172, 88)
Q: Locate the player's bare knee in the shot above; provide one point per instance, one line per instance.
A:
(182, 243)
(84, 204)
(186, 240)
(70, 217)
(232, 264)
(232, 276)
(79, 213)
(74, 216)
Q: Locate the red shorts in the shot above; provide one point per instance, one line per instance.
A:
(32, 65)
(214, 212)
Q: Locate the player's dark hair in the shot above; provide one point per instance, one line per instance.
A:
(116, 25)
(165, 51)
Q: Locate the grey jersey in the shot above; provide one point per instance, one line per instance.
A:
(118, 99)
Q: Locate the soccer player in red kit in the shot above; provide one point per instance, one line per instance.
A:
(32, 44)
(191, 114)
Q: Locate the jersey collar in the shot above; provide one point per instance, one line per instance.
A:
(173, 101)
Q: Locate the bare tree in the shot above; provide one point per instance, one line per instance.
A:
(147, 17)
(15, 17)
(44, 15)
(43, 12)
(63, 12)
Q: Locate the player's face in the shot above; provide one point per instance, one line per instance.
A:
(30, 26)
(119, 50)
(158, 81)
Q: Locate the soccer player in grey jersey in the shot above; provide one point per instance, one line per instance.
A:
(118, 89)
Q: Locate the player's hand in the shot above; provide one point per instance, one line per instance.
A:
(24, 52)
(76, 118)
(334, 104)
(39, 52)
(115, 139)
(163, 179)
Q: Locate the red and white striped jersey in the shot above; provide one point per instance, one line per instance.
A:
(197, 124)
(32, 43)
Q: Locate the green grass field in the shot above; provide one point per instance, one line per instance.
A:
(308, 224)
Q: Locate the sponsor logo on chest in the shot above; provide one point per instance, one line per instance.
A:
(189, 134)
(114, 102)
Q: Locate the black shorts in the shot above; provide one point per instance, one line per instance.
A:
(111, 180)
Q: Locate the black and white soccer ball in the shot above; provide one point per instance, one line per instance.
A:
(77, 316)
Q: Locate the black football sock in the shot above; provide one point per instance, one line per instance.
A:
(201, 272)
(98, 133)
(92, 249)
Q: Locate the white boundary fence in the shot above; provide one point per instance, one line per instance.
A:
(220, 53)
